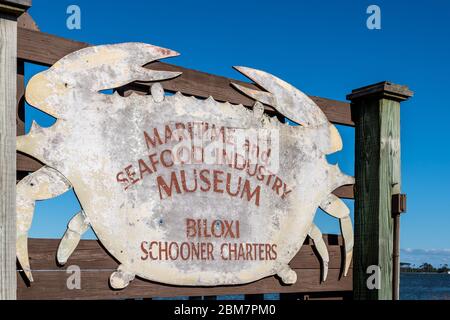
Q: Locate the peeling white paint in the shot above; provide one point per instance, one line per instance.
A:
(98, 147)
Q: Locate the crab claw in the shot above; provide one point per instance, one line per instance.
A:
(93, 69)
(293, 104)
(112, 65)
(42, 184)
(75, 229)
(287, 99)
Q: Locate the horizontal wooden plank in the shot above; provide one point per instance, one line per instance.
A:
(29, 164)
(90, 255)
(94, 285)
(345, 192)
(97, 265)
(43, 48)
(46, 49)
(26, 163)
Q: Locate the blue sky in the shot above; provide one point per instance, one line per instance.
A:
(322, 47)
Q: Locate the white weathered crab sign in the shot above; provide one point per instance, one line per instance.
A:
(180, 190)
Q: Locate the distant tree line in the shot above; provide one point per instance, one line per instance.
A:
(425, 267)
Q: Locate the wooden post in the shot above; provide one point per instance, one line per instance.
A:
(9, 11)
(376, 113)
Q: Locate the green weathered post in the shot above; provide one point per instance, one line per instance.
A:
(9, 11)
(376, 113)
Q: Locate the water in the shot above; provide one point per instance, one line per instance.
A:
(413, 286)
(424, 286)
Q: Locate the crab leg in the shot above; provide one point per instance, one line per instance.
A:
(321, 247)
(75, 229)
(121, 278)
(338, 209)
(42, 184)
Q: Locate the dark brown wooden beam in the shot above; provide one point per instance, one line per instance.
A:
(94, 285)
(345, 192)
(43, 48)
(96, 266)
(46, 49)
(27, 163)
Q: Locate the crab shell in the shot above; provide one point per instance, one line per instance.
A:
(98, 144)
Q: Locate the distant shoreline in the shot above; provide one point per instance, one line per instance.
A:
(422, 272)
(426, 267)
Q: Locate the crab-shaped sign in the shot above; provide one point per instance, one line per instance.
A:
(180, 190)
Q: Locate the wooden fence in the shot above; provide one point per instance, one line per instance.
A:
(96, 264)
